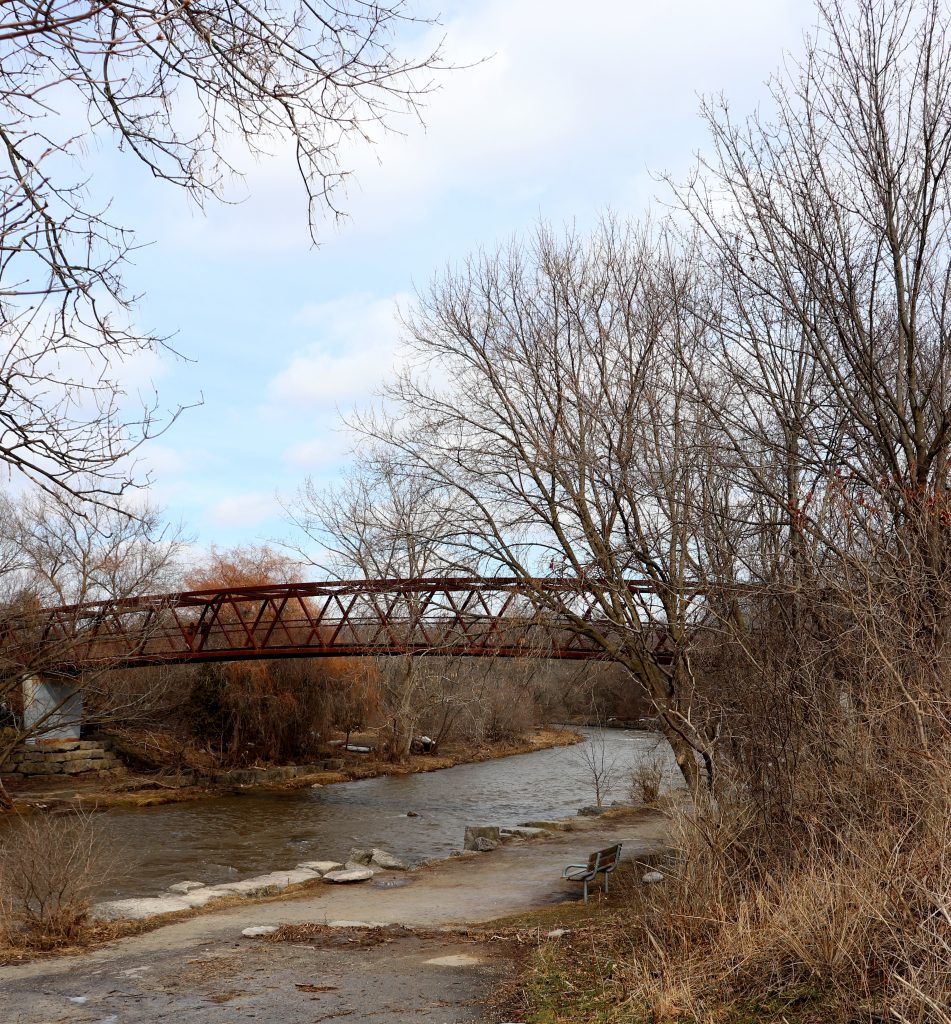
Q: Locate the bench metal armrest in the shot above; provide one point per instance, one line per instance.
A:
(573, 867)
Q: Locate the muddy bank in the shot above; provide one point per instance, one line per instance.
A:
(156, 789)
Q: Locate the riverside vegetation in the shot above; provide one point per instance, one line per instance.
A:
(746, 408)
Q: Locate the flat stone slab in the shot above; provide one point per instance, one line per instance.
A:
(138, 909)
(356, 865)
(525, 832)
(183, 887)
(206, 894)
(357, 874)
(321, 867)
(551, 826)
(273, 882)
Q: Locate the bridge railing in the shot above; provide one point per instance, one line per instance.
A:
(500, 617)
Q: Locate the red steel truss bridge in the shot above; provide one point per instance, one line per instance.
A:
(471, 617)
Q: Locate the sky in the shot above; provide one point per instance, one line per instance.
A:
(563, 112)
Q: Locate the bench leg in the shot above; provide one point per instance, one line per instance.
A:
(607, 884)
(586, 890)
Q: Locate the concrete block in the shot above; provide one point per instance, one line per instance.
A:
(58, 706)
(138, 909)
(475, 832)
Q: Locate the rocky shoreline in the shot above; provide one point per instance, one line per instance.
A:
(362, 865)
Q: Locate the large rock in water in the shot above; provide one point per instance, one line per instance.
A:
(348, 875)
(474, 833)
(375, 857)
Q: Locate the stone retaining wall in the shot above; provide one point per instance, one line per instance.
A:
(50, 761)
(281, 773)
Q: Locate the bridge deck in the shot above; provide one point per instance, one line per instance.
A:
(480, 618)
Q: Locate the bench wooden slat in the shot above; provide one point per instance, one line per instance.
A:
(600, 862)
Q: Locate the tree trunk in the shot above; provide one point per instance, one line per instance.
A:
(404, 720)
(680, 734)
(684, 753)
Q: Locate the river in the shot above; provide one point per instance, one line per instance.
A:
(234, 837)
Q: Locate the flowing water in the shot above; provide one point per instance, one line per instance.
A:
(239, 836)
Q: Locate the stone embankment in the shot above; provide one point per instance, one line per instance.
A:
(361, 866)
(48, 762)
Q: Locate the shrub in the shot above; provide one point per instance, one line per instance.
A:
(49, 867)
(647, 776)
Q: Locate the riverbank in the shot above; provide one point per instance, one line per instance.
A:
(158, 788)
(402, 968)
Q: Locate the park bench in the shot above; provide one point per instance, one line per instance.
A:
(601, 862)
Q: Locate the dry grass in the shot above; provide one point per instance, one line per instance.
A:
(855, 928)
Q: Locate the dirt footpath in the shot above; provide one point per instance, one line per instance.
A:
(202, 969)
(403, 979)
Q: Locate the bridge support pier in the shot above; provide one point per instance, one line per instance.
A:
(52, 710)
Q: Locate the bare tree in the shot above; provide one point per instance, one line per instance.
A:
(178, 87)
(597, 765)
(826, 227)
(555, 399)
(384, 523)
(58, 554)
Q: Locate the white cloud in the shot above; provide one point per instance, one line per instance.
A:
(318, 452)
(243, 510)
(355, 348)
(538, 94)
(561, 91)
